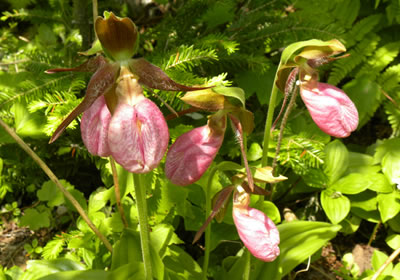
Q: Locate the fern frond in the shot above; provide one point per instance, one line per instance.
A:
(301, 153)
(34, 15)
(187, 57)
(361, 29)
(393, 114)
(341, 68)
(58, 113)
(218, 40)
(390, 79)
(379, 60)
(53, 249)
(393, 11)
(32, 86)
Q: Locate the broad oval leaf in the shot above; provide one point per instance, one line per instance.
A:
(335, 205)
(388, 205)
(301, 239)
(365, 205)
(380, 183)
(37, 269)
(391, 166)
(393, 240)
(336, 160)
(78, 275)
(127, 251)
(229, 166)
(352, 184)
(378, 259)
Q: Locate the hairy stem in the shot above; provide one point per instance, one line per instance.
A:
(141, 204)
(53, 178)
(282, 128)
(117, 192)
(207, 242)
(373, 235)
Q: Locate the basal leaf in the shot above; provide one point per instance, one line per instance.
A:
(389, 205)
(335, 205)
(78, 275)
(336, 160)
(352, 184)
(299, 240)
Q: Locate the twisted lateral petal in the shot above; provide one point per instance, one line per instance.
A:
(94, 128)
(331, 109)
(138, 136)
(258, 233)
(99, 84)
(153, 77)
(191, 154)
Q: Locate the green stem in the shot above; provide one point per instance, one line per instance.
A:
(246, 272)
(141, 204)
(118, 192)
(55, 180)
(268, 123)
(95, 15)
(373, 235)
(208, 229)
(267, 129)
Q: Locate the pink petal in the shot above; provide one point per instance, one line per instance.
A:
(331, 109)
(94, 128)
(191, 154)
(258, 233)
(138, 136)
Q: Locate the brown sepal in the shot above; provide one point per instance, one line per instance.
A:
(118, 36)
(91, 65)
(220, 201)
(153, 77)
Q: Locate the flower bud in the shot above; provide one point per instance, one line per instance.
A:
(258, 233)
(94, 127)
(331, 109)
(193, 152)
(138, 136)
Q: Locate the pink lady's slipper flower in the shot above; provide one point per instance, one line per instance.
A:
(118, 120)
(193, 152)
(136, 134)
(258, 233)
(94, 128)
(330, 108)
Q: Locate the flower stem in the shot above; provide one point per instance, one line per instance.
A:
(267, 129)
(207, 242)
(117, 192)
(282, 128)
(268, 123)
(53, 178)
(95, 15)
(141, 204)
(246, 272)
